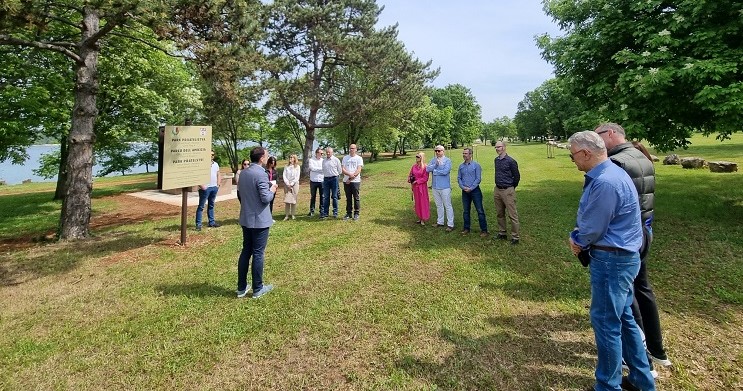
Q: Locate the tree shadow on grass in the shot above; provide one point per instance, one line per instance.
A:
(526, 352)
(22, 266)
(195, 290)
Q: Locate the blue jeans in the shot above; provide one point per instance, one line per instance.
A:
(254, 245)
(315, 187)
(616, 332)
(329, 191)
(476, 197)
(209, 194)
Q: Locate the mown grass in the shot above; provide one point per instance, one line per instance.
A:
(376, 304)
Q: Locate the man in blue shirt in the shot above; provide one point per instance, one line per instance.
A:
(468, 178)
(609, 229)
(440, 166)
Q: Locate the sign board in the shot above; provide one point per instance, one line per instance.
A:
(187, 156)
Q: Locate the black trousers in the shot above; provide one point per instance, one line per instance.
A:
(645, 309)
(315, 187)
(352, 195)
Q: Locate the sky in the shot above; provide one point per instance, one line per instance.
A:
(485, 45)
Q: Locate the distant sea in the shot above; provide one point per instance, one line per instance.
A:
(14, 174)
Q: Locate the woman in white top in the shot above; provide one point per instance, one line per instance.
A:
(291, 187)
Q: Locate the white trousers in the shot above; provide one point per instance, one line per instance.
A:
(442, 198)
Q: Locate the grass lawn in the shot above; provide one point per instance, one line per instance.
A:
(376, 304)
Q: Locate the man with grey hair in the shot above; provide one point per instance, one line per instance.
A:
(440, 166)
(608, 233)
(641, 170)
(331, 169)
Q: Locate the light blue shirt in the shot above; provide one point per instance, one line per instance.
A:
(469, 175)
(441, 178)
(609, 211)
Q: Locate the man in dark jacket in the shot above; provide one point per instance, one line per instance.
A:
(507, 177)
(641, 170)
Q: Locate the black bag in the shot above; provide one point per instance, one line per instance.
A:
(411, 178)
(584, 258)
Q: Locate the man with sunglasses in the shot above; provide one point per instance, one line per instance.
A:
(440, 166)
(608, 228)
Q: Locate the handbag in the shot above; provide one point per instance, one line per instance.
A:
(584, 257)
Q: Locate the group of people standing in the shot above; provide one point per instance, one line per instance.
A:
(469, 177)
(324, 174)
(612, 238)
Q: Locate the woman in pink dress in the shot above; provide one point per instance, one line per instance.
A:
(418, 179)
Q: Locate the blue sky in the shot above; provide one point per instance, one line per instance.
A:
(485, 45)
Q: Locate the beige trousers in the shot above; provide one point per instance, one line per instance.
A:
(505, 201)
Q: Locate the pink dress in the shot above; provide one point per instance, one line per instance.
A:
(420, 192)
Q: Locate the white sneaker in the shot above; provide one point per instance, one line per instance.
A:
(662, 362)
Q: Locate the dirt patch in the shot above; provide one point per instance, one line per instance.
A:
(127, 210)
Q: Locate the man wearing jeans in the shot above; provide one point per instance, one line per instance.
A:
(468, 178)
(440, 166)
(209, 193)
(255, 219)
(609, 229)
(331, 168)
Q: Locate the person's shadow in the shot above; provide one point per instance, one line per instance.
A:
(526, 352)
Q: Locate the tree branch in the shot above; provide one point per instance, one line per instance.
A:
(6, 39)
(150, 44)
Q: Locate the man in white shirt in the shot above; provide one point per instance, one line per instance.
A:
(331, 168)
(208, 193)
(316, 180)
(352, 164)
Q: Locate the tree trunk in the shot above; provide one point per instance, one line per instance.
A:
(62, 175)
(309, 140)
(76, 207)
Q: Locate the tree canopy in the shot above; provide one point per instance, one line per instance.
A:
(661, 68)
(466, 118)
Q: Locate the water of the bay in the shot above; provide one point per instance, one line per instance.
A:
(14, 174)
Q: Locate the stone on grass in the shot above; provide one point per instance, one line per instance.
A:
(723, 166)
(692, 162)
(671, 159)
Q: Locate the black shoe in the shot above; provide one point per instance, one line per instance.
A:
(310, 214)
(501, 237)
(198, 228)
(514, 241)
(215, 225)
(627, 386)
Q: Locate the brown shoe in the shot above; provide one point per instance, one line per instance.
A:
(484, 234)
(449, 229)
(465, 232)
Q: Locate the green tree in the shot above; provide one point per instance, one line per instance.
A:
(286, 136)
(313, 44)
(78, 31)
(551, 110)
(661, 68)
(466, 118)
